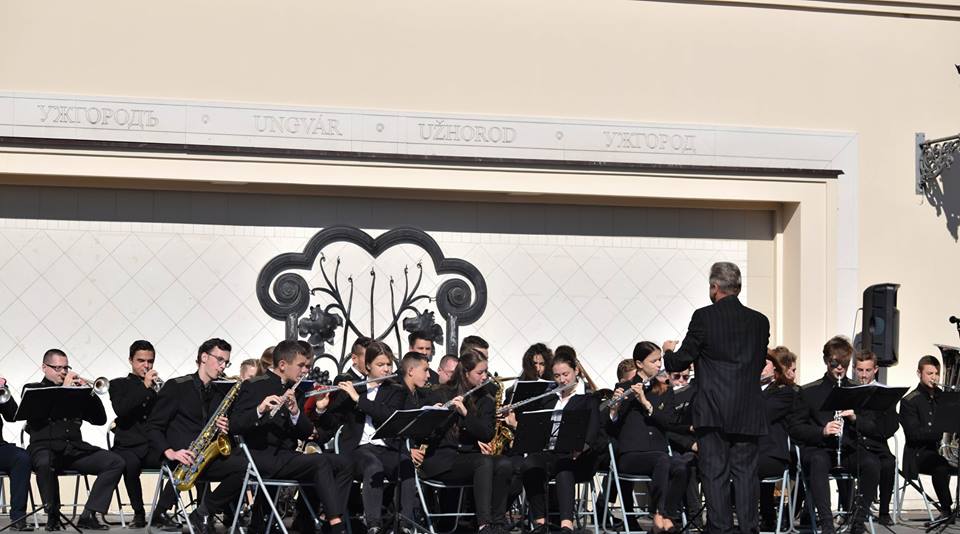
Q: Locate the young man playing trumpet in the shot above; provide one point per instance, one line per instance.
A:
(56, 444)
(133, 397)
(268, 416)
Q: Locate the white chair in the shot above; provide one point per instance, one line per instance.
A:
(901, 489)
(616, 477)
(784, 481)
(78, 476)
(5, 507)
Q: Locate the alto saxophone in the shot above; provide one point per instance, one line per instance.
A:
(209, 444)
(503, 436)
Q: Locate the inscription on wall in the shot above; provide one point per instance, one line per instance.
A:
(650, 141)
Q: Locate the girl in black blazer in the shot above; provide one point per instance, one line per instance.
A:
(567, 468)
(361, 410)
(639, 425)
(779, 394)
(454, 456)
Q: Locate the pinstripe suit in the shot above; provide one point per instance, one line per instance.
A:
(728, 343)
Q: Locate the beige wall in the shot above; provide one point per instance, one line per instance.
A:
(881, 77)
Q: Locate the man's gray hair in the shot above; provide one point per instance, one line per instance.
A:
(726, 276)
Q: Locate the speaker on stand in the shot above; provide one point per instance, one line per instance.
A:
(881, 325)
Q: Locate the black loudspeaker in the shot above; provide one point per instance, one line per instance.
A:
(881, 322)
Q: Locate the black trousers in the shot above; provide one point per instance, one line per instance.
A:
(330, 474)
(929, 462)
(817, 463)
(490, 476)
(377, 466)
(16, 462)
(136, 459)
(539, 468)
(107, 466)
(768, 467)
(228, 471)
(875, 472)
(724, 458)
(669, 474)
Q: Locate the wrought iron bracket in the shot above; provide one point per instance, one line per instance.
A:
(934, 157)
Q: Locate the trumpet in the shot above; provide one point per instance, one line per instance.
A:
(157, 384)
(331, 389)
(5, 394)
(98, 386)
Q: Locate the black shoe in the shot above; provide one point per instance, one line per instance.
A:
(21, 525)
(165, 522)
(614, 524)
(139, 521)
(199, 522)
(541, 529)
(88, 521)
(566, 530)
(885, 520)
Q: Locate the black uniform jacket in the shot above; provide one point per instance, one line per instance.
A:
(873, 428)
(267, 437)
(680, 436)
(461, 434)
(8, 410)
(728, 342)
(183, 407)
(62, 435)
(807, 420)
(342, 411)
(918, 410)
(637, 431)
(596, 438)
(132, 402)
(779, 401)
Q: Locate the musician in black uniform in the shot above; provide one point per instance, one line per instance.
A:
(358, 353)
(453, 456)
(361, 410)
(57, 444)
(422, 342)
(817, 432)
(640, 425)
(779, 396)
(918, 410)
(16, 462)
(565, 467)
(133, 397)
(267, 415)
(183, 407)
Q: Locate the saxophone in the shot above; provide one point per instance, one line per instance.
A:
(208, 445)
(503, 436)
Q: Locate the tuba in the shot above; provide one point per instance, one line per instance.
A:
(208, 445)
(949, 446)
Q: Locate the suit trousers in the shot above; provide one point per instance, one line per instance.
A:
(669, 479)
(107, 466)
(540, 467)
(228, 471)
(817, 463)
(330, 474)
(724, 458)
(136, 459)
(490, 476)
(16, 463)
(768, 467)
(377, 466)
(929, 462)
(874, 471)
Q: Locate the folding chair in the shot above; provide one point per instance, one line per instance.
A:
(423, 483)
(166, 475)
(120, 503)
(784, 481)
(66, 473)
(616, 477)
(901, 489)
(253, 478)
(5, 507)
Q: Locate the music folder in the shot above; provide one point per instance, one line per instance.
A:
(535, 428)
(58, 402)
(866, 397)
(416, 424)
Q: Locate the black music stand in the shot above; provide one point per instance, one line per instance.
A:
(946, 420)
(528, 389)
(871, 397)
(414, 425)
(535, 428)
(56, 402)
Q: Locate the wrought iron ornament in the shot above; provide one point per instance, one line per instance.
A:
(460, 301)
(934, 157)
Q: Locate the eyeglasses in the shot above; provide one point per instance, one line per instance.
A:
(836, 363)
(59, 368)
(680, 377)
(221, 360)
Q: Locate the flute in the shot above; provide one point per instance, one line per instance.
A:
(275, 409)
(331, 389)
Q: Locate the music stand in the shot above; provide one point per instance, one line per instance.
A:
(870, 397)
(414, 425)
(946, 420)
(535, 428)
(56, 402)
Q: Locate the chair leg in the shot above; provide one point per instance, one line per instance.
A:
(239, 508)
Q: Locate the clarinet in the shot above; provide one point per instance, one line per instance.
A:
(839, 419)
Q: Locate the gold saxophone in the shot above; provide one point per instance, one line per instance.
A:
(209, 444)
(503, 436)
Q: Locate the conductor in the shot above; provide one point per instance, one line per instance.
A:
(727, 342)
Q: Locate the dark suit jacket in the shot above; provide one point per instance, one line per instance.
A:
(636, 431)
(778, 403)
(596, 439)
(728, 343)
(807, 420)
(918, 409)
(342, 411)
(680, 436)
(132, 402)
(267, 437)
(182, 409)
(461, 434)
(59, 434)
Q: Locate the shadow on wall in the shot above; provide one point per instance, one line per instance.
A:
(944, 195)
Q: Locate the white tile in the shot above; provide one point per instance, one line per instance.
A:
(154, 279)
(152, 323)
(109, 277)
(199, 325)
(6, 296)
(176, 255)
(87, 252)
(132, 300)
(63, 320)
(86, 299)
(108, 322)
(18, 275)
(64, 275)
(40, 251)
(7, 344)
(241, 325)
(40, 297)
(176, 302)
(198, 279)
(132, 254)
